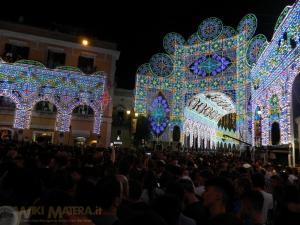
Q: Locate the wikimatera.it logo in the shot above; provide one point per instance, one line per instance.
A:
(15, 215)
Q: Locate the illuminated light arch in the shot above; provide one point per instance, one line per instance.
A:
(59, 119)
(220, 52)
(29, 82)
(15, 99)
(21, 117)
(46, 99)
(202, 113)
(96, 112)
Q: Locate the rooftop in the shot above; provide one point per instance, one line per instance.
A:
(55, 34)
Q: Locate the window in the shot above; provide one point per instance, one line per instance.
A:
(55, 59)
(86, 64)
(13, 53)
(45, 107)
(7, 103)
(83, 110)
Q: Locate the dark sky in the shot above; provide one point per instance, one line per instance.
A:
(138, 27)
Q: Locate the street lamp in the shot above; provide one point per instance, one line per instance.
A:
(128, 112)
(136, 114)
(85, 42)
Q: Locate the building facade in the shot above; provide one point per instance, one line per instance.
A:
(123, 117)
(51, 86)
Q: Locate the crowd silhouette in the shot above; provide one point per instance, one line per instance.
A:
(129, 187)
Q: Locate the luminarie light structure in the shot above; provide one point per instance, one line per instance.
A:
(246, 70)
(28, 82)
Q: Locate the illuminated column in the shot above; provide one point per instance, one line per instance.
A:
(22, 119)
(265, 131)
(97, 123)
(63, 121)
(198, 136)
(191, 138)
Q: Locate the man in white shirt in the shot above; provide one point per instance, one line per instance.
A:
(259, 185)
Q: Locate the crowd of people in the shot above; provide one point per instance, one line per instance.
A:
(136, 187)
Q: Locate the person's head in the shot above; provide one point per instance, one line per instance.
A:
(218, 191)
(200, 177)
(276, 181)
(252, 204)
(109, 193)
(242, 185)
(258, 180)
(187, 185)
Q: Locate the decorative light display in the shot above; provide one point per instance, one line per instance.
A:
(209, 65)
(228, 32)
(194, 39)
(159, 115)
(274, 108)
(255, 48)
(171, 41)
(161, 64)
(282, 16)
(247, 26)
(256, 68)
(28, 82)
(276, 70)
(210, 29)
(211, 60)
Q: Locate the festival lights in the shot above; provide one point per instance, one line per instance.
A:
(249, 70)
(28, 82)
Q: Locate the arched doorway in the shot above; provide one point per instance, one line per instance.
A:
(213, 114)
(176, 133)
(275, 133)
(43, 122)
(82, 123)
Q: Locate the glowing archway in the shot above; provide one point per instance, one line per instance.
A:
(202, 114)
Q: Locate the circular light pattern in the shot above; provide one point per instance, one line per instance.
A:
(171, 41)
(144, 70)
(255, 48)
(247, 26)
(194, 39)
(210, 29)
(161, 64)
(228, 32)
(159, 115)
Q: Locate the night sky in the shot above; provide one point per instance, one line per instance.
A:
(138, 27)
